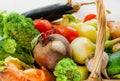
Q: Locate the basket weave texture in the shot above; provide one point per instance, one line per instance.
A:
(101, 21)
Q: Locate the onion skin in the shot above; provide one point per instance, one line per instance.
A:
(48, 52)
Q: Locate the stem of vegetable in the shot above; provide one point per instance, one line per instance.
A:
(110, 43)
(88, 3)
(77, 6)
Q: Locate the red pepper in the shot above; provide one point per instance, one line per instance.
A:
(68, 32)
(89, 17)
(42, 25)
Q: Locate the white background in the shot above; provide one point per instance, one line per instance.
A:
(25, 5)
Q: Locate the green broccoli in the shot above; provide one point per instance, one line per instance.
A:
(3, 14)
(20, 28)
(9, 46)
(3, 54)
(67, 70)
(16, 32)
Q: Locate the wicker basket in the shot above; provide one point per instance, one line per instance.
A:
(101, 17)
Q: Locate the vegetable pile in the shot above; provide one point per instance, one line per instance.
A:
(40, 50)
(17, 34)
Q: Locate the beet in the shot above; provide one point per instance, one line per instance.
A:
(50, 50)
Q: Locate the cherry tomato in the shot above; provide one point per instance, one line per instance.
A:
(42, 25)
(68, 32)
(89, 17)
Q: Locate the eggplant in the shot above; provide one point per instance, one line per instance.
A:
(51, 12)
(55, 11)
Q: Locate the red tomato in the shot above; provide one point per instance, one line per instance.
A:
(42, 25)
(68, 32)
(89, 17)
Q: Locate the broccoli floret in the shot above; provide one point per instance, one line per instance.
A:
(3, 54)
(9, 46)
(67, 70)
(20, 28)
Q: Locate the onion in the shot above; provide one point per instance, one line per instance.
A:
(50, 50)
